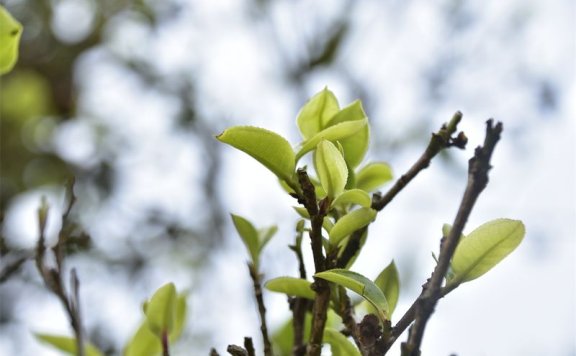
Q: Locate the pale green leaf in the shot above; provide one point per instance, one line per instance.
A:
(316, 112)
(353, 197)
(351, 222)
(295, 287)
(67, 344)
(161, 310)
(484, 248)
(144, 342)
(10, 33)
(356, 145)
(332, 133)
(269, 148)
(389, 282)
(373, 176)
(360, 285)
(331, 168)
(249, 236)
(339, 344)
(264, 236)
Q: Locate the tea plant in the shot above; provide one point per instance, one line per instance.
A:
(336, 204)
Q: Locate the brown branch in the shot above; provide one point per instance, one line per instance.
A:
(317, 213)
(439, 141)
(53, 276)
(256, 277)
(478, 168)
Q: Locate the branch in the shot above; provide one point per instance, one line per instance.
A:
(261, 308)
(478, 168)
(53, 276)
(299, 306)
(439, 141)
(317, 213)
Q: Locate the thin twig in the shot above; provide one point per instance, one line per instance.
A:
(255, 275)
(478, 168)
(439, 141)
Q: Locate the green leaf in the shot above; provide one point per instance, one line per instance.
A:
(353, 197)
(356, 145)
(316, 112)
(373, 176)
(331, 168)
(249, 236)
(67, 344)
(10, 33)
(389, 282)
(265, 235)
(339, 344)
(144, 342)
(269, 148)
(296, 287)
(181, 312)
(484, 248)
(361, 285)
(332, 133)
(351, 222)
(161, 310)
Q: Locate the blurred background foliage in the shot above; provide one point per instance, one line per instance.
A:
(124, 96)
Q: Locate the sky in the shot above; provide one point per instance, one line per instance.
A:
(420, 62)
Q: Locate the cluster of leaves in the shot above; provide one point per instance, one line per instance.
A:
(338, 139)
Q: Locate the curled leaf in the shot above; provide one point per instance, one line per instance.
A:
(331, 168)
(316, 112)
(389, 282)
(356, 145)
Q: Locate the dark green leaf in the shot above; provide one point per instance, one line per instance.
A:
(361, 285)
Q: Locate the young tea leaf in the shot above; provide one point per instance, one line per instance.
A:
(67, 344)
(356, 145)
(353, 197)
(332, 133)
(144, 342)
(360, 285)
(339, 344)
(161, 310)
(269, 148)
(10, 33)
(373, 176)
(264, 236)
(389, 282)
(331, 168)
(351, 222)
(249, 236)
(484, 248)
(295, 287)
(316, 112)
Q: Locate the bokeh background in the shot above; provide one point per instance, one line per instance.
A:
(127, 96)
